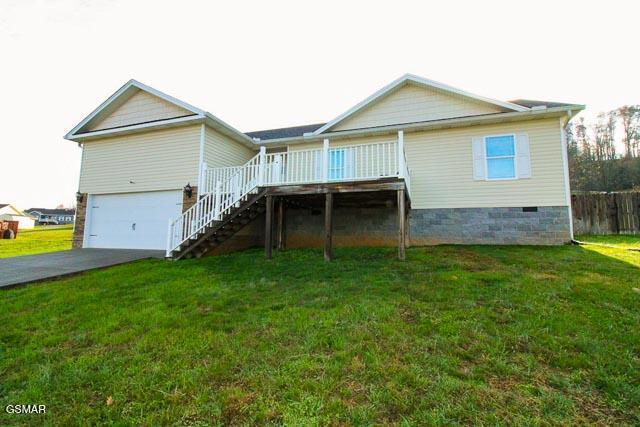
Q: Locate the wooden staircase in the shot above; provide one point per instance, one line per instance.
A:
(217, 232)
(234, 196)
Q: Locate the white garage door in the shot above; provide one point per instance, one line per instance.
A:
(132, 220)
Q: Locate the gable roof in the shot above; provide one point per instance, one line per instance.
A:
(420, 81)
(13, 208)
(62, 211)
(250, 139)
(197, 115)
(121, 95)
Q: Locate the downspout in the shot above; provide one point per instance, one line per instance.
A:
(565, 167)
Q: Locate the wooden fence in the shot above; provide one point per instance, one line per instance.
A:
(606, 213)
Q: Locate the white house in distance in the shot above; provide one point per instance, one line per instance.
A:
(418, 162)
(11, 213)
(57, 216)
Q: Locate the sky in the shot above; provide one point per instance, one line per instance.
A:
(260, 65)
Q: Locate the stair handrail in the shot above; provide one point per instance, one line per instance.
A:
(214, 205)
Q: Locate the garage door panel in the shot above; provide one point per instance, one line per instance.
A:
(132, 220)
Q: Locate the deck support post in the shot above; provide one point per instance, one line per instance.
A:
(281, 236)
(262, 162)
(401, 158)
(268, 225)
(407, 241)
(217, 200)
(401, 225)
(325, 160)
(328, 226)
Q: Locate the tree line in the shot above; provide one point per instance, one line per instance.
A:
(595, 164)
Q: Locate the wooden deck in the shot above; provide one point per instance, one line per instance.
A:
(361, 169)
(385, 184)
(381, 192)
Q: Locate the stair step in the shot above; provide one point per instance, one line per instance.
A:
(217, 232)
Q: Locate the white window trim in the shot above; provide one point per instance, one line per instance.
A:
(337, 169)
(486, 158)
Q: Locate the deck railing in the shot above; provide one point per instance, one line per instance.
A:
(223, 188)
(213, 205)
(346, 163)
(211, 176)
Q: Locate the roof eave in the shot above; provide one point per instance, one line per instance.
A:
(229, 130)
(125, 130)
(434, 125)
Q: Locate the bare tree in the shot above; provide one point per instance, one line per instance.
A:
(630, 120)
(594, 164)
(603, 131)
(582, 139)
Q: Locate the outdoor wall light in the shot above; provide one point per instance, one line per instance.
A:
(78, 197)
(188, 190)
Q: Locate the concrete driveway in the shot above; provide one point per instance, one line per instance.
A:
(32, 268)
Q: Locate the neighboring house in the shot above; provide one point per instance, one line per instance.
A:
(10, 213)
(417, 162)
(53, 216)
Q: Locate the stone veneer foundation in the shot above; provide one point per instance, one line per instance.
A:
(78, 226)
(379, 226)
(549, 225)
(187, 202)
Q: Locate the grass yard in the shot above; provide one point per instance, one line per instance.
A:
(469, 335)
(40, 239)
(624, 241)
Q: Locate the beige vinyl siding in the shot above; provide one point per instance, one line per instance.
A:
(441, 166)
(221, 151)
(156, 160)
(412, 103)
(140, 108)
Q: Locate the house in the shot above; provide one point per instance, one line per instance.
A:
(56, 216)
(417, 162)
(11, 213)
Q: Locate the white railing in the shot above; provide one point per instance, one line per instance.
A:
(294, 167)
(211, 176)
(225, 188)
(214, 205)
(346, 163)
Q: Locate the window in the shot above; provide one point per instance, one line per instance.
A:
(336, 164)
(501, 156)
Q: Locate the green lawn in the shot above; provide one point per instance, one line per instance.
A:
(454, 335)
(40, 239)
(625, 241)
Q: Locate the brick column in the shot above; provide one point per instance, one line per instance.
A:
(188, 202)
(78, 228)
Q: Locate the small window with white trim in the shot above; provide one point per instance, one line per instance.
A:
(500, 154)
(336, 164)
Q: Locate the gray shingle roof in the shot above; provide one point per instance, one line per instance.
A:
(530, 103)
(52, 211)
(284, 132)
